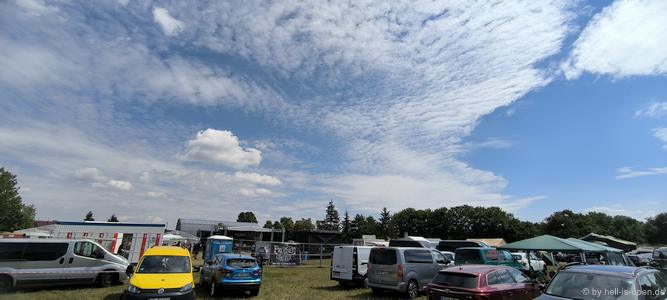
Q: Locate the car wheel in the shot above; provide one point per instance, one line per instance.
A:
(412, 289)
(105, 279)
(364, 283)
(213, 289)
(5, 284)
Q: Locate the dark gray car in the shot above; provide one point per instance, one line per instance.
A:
(406, 270)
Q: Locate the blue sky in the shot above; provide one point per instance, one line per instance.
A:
(155, 110)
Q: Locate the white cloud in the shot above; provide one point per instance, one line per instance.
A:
(222, 147)
(628, 172)
(90, 174)
(169, 25)
(653, 110)
(155, 194)
(120, 184)
(257, 178)
(260, 192)
(627, 38)
(661, 134)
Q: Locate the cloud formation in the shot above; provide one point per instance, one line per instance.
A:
(169, 25)
(221, 147)
(627, 38)
(653, 110)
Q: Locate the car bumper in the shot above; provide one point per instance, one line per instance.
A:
(401, 287)
(190, 295)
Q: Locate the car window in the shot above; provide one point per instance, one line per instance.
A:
(492, 278)
(504, 276)
(504, 256)
(518, 276)
(491, 254)
(418, 256)
(456, 280)
(517, 257)
(381, 256)
(11, 251)
(88, 249)
(575, 285)
(448, 256)
(468, 255)
(439, 258)
(44, 251)
(241, 263)
(653, 286)
(155, 264)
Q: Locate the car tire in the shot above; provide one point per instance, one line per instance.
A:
(213, 289)
(254, 292)
(364, 283)
(106, 279)
(412, 290)
(6, 284)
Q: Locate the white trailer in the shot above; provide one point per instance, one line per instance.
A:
(127, 239)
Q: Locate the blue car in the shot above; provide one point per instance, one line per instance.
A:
(231, 272)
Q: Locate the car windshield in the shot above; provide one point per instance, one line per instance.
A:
(583, 286)
(241, 263)
(467, 281)
(164, 264)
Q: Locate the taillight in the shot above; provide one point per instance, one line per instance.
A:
(399, 271)
(257, 272)
(224, 272)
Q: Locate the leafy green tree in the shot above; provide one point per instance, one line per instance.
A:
(412, 221)
(89, 216)
(656, 229)
(567, 224)
(385, 229)
(268, 224)
(247, 216)
(14, 215)
(331, 220)
(277, 225)
(113, 218)
(629, 229)
(346, 229)
(304, 225)
(287, 223)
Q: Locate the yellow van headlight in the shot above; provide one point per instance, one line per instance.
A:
(187, 287)
(133, 289)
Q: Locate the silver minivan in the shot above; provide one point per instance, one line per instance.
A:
(406, 270)
(48, 262)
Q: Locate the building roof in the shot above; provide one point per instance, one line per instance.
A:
(101, 223)
(193, 226)
(493, 242)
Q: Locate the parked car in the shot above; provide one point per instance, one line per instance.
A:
(485, 256)
(232, 272)
(640, 259)
(163, 272)
(588, 282)
(405, 270)
(448, 256)
(452, 245)
(416, 242)
(349, 264)
(481, 282)
(538, 264)
(49, 262)
(660, 259)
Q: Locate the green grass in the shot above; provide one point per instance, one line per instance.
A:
(309, 282)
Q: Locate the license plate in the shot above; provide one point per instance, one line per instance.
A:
(243, 275)
(336, 273)
(447, 298)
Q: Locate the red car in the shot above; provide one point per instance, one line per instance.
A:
(481, 282)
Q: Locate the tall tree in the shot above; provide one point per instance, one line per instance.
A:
(247, 216)
(112, 218)
(346, 227)
(567, 224)
(89, 216)
(412, 221)
(14, 215)
(331, 220)
(384, 224)
(304, 225)
(268, 224)
(287, 223)
(656, 229)
(277, 225)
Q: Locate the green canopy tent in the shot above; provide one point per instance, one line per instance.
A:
(551, 243)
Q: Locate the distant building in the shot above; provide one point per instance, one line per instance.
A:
(610, 241)
(369, 240)
(237, 230)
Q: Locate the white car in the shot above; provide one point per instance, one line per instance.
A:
(536, 262)
(448, 256)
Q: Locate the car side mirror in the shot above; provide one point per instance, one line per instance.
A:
(196, 269)
(129, 270)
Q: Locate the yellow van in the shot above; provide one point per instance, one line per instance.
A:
(164, 272)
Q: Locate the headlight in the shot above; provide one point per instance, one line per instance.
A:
(187, 287)
(133, 289)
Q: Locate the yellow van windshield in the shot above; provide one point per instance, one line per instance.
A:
(164, 264)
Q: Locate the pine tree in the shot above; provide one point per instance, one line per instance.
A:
(268, 224)
(346, 224)
(112, 218)
(384, 224)
(89, 216)
(331, 220)
(14, 215)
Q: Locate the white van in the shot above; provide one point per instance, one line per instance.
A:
(47, 262)
(349, 264)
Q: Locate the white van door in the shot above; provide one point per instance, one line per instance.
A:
(341, 264)
(84, 262)
(362, 260)
(42, 264)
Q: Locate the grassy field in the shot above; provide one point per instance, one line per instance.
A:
(279, 283)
